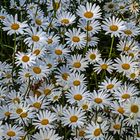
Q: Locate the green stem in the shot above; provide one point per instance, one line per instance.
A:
(112, 42)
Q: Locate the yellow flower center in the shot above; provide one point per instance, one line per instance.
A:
(15, 26)
(65, 76)
(56, 5)
(65, 21)
(37, 105)
(75, 39)
(85, 107)
(77, 65)
(88, 14)
(97, 132)
(113, 27)
(117, 126)
(131, 54)
(35, 38)
(88, 38)
(89, 28)
(78, 97)
(2, 17)
(98, 100)
(73, 118)
(110, 6)
(8, 75)
(104, 66)
(55, 97)
(49, 65)
(126, 48)
(37, 93)
(120, 110)
(38, 21)
(37, 70)
(58, 52)
(27, 75)
(50, 41)
(44, 122)
(134, 108)
(7, 113)
(47, 91)
(19, 110)
(36, 52)
(16, 100)
(81, 133)
(11, 133)
(92, 56)
(126, 66)
(132, 75)
(125, 96)
(110, 86)
(25, 58)
(76, 83)
(24, 115)
(121, 7)
(128, 32)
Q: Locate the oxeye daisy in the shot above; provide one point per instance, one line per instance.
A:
(126, 92)
(131, 30)
(37, 103)
(110, 85)
(26, 60)
(46, 135)
(77, 63)
(102, 64)
(12, 132)
(5, 112)
(133, 74)
(34, 37)
(52, 39)
(62, 75)
(76, 79)
(13, 26)
(85, 105)
(65, 18)
(44, 120)
(75, 38)
(93, 55)
(91, 27)
(92, 40)
(96, 131)
(110, 6)
(73, 117)
(79, 133)
(124, 64)
(3, 14)
(77, 94)
(99, 99)
(38, 71)
(89, 11)
(113, 26)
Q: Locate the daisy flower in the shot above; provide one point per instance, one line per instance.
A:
(91, 27)
(44, 120)
(39, 71)
(109, 7)
(5, 112)
(126, 92)
(13, 26)
(79, 133)
(113, 26)
(3, 14)
(99, 99)
(77, 94)
(131, 30)
(75, 38)
(46, 134)
(73, 117)
(110, 84)
(102, 64)
(76, 79)
(124, 64)
(77, 63)
(12, 132)
(35, 38)
(89, 11)
(93, 55)
(65, 18)
(96, 131)
(26, 60)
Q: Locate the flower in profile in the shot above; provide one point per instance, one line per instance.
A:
(89, 12)
(13, 26)
(113, 26)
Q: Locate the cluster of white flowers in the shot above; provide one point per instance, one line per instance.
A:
(70, 70)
